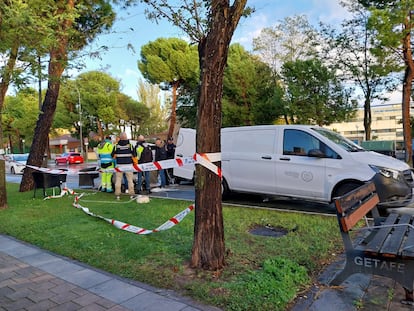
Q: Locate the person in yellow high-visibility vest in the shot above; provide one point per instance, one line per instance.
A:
(105, 149)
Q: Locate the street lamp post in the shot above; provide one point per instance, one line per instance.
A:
(80, 121)
(24, 148)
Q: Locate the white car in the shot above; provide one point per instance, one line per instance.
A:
(16, 163)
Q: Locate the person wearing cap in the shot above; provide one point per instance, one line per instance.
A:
(123, 153)
(105, 149)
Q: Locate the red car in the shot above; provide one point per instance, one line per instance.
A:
(69, 158)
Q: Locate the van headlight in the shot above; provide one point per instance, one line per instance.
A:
(385, 171)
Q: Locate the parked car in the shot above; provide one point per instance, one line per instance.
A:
(69, 158)
(15, 163)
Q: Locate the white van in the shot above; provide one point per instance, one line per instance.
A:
(300, 161)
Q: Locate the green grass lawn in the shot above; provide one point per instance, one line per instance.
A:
(261, 273)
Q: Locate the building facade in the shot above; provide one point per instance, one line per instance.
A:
(386, 125)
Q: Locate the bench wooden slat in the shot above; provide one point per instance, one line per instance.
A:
(407, 249)
(353, 198)
(376, 243)
(393, 243)
(351, 219)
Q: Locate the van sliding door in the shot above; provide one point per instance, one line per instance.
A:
(298, 174)
(248, 160)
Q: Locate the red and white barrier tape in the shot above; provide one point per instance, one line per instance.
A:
(205, 159)
(63, 192)
(47, 170)
(202, 159)
(134, 229)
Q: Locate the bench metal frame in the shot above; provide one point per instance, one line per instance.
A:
(384, 249)
(45, 180)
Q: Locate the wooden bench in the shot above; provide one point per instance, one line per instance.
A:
(385, 247)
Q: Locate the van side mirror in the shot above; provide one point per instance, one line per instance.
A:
(316, 153)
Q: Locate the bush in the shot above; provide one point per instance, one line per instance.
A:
(270, 288)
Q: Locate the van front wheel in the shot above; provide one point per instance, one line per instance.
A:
(345, 188)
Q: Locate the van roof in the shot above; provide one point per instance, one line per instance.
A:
(264, 127)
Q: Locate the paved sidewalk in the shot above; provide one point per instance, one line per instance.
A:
(360, 292)
(34, 279)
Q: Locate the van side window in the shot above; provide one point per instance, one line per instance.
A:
(296, 142)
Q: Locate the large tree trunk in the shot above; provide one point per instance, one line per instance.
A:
(407, 87)
(367, 118)
(173, 116)
(57, 64)
(41, 134)
(208, 245)
(408, 78)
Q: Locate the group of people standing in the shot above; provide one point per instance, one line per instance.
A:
(123, 155)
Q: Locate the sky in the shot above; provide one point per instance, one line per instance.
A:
(133, 29)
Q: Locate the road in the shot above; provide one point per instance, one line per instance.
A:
(185, 191)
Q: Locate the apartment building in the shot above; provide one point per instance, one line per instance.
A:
(386, 124)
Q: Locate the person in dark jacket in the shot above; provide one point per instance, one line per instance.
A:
(160, 155)
(170, 146)
(123, 154)
(141, 150)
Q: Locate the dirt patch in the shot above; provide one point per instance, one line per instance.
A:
(275, 232)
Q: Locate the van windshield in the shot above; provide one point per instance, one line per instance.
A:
(341, 141)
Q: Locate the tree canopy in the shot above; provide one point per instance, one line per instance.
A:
(352, 52)
(392, 22)
(289, 40)
(171, 62)
(248, 83)
(69, 33)
(314, 95)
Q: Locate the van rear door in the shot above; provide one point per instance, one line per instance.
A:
(185, 147)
